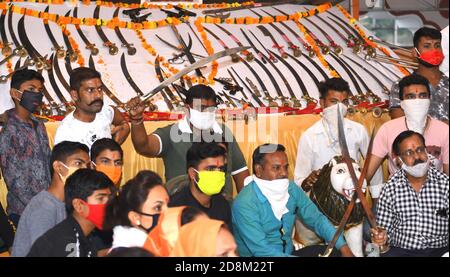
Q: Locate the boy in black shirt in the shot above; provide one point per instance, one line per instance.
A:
(206, 167)
(86, 194)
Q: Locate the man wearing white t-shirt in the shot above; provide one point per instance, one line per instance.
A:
(91, 120)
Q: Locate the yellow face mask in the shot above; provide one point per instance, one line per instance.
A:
(210, 182)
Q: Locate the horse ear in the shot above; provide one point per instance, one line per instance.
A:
(333, 162)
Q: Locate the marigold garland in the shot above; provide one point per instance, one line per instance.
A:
(73, 44)
(366, 39)
(316, 50)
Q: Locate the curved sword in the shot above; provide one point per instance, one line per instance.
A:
(249, 55)
(173, 46)
(272, 79)
(131, 50)
(166, 91)
(355, 98)
(234, 58)
(59, 50)
(4, 78)
(296, 102)
(91, 46)
(6, 45)
(113, 50)
(58, 72)
(105, 88)
(376, 69)
(70, 54)
(347, 40)
(311, 102)
(55, 87)
(295, 49)
(188, 69)
(385, 90)
(123, 65)
(254, 95)
(299, 38)
(266, 32)
(336, 48)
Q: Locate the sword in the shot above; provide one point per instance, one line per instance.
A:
(91, 46)
(352, 203)
(234, 58)
(113, 50)
(131, 50)
(275, 43)
(71, 56)
(295, 49)
(59, 50)
(188, 69)
(249, 55)
(348, 162)
(254, 96)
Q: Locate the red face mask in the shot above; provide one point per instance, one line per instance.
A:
(96, 214)
(433, 57)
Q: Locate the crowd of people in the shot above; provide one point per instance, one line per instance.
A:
(68, 202)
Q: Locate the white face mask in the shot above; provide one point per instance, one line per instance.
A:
(276, 192)
(202, 120)
(330, 116)
(416, 111)
(418, 170)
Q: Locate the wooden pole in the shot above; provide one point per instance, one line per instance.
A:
(355, 9)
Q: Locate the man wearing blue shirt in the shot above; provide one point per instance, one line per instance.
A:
(264, 212)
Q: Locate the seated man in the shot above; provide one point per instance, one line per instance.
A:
(47, 208)
(206, 167)
(86, 194)
(264, 212)
(107, 157)
(413, 206)
(415, 97)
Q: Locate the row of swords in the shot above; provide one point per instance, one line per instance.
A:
(232, 84)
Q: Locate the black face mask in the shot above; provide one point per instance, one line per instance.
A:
(155, 220)
(31, 101)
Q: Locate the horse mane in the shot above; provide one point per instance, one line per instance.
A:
(332, 204)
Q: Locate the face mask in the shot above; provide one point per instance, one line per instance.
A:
(438, 164)
(210, 182)
(113, 172)
(416, 111)
(276, 192)
(418, 170)
(330, 116)
(202, 120)
(71, 170)
(30, 101)
(431, 58)
(155, 219)
(96, 214)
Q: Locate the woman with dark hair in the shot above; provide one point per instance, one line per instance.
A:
(134, 212)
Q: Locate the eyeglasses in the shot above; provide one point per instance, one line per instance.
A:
(410, 153)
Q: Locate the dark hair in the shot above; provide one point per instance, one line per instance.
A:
(200, 92)
(63, 150)
(260, 153)
(80, 75)
(131, 198)
(189, 214)
(129, 252)
(105, 144)
(82, 184)
(337, 84)
(21, 76)
(426, 32)
(401, 137)
(413, 79)
(201, 151)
